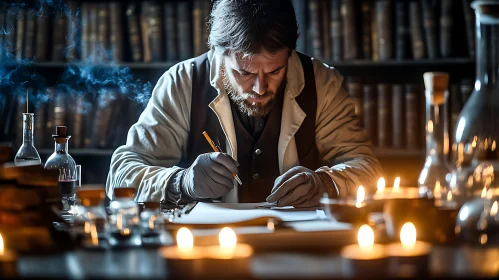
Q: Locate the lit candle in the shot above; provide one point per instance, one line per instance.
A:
(228, 240)
(185, 243)
(396, 185)
(410, 254)
(8, 261)
(361, 194)
(381, 185)
(366, 257)
(396, 191)
(347, 210)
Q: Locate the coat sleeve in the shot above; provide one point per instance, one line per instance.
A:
(342, 143)
(155, 143)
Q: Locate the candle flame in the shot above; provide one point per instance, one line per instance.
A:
(1, 245)
(449, 196)
(494, 208)
(381, 184)
(438, 190)
(484, 192)
(361, 194)
(184, 238)
(227, 238)
(396, 184)
(365, 236)
(408, 234)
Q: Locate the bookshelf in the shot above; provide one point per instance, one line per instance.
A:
(324, 34)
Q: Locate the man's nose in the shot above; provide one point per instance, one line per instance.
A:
(260, 85)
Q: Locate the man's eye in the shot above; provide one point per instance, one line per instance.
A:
(275, 73)
(244, 74)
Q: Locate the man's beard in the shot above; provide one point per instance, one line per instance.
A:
(255, 109)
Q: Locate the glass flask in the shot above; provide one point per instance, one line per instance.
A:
(90, 224)
(432, 179)
(27, 153)
(68, 175)
(124, 219)
(152, 225)
(474, 149)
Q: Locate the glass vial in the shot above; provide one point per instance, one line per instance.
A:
(152, 225)
(477, 135)
(27, 154)
(124, 219)
(66, 165)
(432, 179)
(91, 225)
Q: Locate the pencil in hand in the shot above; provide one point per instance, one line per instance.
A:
(218, 150)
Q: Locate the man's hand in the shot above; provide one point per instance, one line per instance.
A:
(209, 176)
(299, 187)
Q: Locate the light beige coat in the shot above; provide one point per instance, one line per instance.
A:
(156, 143)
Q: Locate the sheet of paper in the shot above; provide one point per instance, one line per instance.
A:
(225, 213)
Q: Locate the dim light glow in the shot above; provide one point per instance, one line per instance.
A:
(449, 196)
(430, 126)
(361, 195)
(396, 184)
(365, 236)
(494, 209)
(93, 235)
(381, 184)
(484, 192)
(408, 235)
(493, 148)
(1, 245)
(227, 238)
(185, 241)
(438, 190)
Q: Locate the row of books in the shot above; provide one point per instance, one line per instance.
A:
(394, 114)
(386, 29)
(104, 31)
(99, 122)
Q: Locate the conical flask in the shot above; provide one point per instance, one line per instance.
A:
(27, 153)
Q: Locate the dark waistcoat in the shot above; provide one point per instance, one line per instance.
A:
(258, 158)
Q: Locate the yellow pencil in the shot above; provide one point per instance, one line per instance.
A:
(214, 147)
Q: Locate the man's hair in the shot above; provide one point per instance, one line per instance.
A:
(248, 26)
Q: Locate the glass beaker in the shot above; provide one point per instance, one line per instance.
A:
(432, 179)
(27, 153)
(68, 175)
(477, 134)
(124, 219)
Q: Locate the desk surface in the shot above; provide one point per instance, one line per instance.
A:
(146, 263)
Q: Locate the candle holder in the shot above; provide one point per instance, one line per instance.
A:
(346, 209)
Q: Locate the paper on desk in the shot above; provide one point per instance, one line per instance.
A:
(226, 213)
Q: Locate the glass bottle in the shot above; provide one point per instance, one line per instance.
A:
(124, 219)
(27, 153)
(90, 224)
(62, 161)
(475, 151)
(152, 225)
(432, 179)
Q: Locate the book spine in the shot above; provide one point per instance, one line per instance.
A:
(384, 108)
(59, 36)
(325, 20)
(314, 29)
(40, 125)
(77, 121)
(370, 117)
(412, 117)
(366, 29)
(350, 46)
(171, 31)
(29, 39)
(103, 32)
(155, 31)
(197, 24)
(374, 35)
(50, 105)
(59, 108)
(134, 32)
(72, 38)
(336, 30)
(42, 29)
(301, 18)
(430, 28)
(10, 36)
(355, 89)
(469, 20)
(384, 23)
(397, 116)
(184, 30)
(446, 26)
(418, 50)
(20, 33)
(116, 31)
(85, 31)
(401, 30)
(145, 31)
(2, 36)
(93, 38)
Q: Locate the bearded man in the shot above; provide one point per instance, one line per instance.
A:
(284, 121)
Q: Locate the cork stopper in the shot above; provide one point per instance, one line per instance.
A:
(152, 205)
(436, 83)
(124, 192)
(91, 196)
(60, 132)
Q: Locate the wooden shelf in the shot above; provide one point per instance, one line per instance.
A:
(349, 63)
(379, 152)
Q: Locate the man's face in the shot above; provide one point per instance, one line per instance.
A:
(252, 82)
